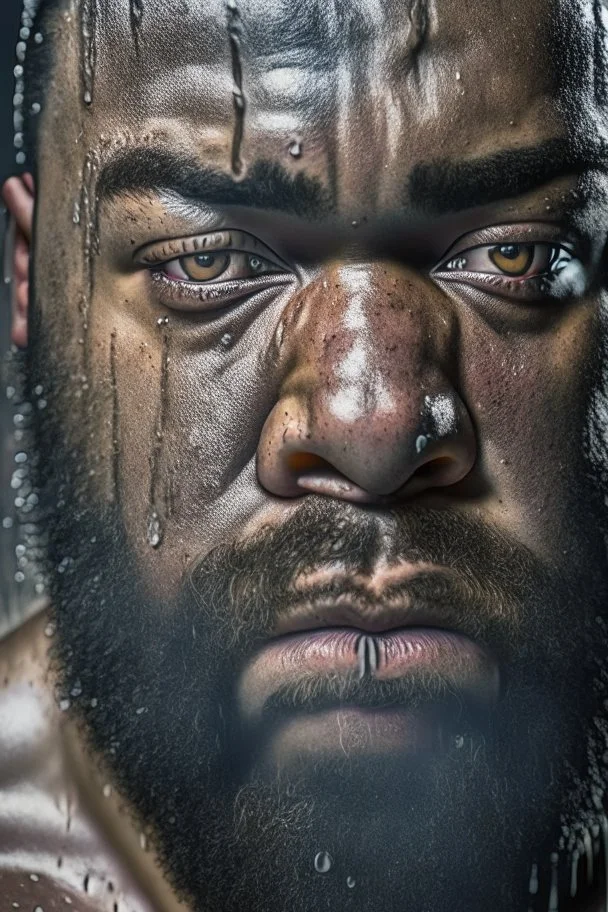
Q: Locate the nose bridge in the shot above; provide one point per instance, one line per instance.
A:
(370, 343)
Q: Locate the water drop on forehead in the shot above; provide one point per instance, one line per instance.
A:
(323, 862)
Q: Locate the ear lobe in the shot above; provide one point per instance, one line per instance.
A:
(18, 196)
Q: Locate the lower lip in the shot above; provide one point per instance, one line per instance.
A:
(471, 670)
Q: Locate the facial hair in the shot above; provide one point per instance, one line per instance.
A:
(155, 693)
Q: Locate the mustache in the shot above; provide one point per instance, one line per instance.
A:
(243, 590)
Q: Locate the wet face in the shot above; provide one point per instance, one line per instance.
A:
(319, 319)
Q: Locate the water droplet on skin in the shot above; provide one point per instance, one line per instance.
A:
(64, 705)
(323, 862)
(107, 791)
(421, 443)
(458, 75)
(49, 630)
(226, 340)
(162, 321)
(295, 148)
(34, 877)
(38, 909)
(350, 882)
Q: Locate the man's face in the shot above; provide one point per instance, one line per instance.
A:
(319, 319)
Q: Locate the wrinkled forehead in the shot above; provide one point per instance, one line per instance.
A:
(291, 52)
(449, 78)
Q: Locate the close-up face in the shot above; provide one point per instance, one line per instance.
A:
(318, 322)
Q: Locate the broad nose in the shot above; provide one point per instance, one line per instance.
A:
(367, 410)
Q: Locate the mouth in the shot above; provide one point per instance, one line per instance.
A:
(352, 654)
(366, 686)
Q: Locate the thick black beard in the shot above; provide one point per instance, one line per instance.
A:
(153, 685)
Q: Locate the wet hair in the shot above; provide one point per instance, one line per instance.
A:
(37, 70)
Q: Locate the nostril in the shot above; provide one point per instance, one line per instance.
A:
(433, 467)
(306, 462)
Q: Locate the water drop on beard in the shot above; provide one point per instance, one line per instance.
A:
(295, 148)
(323, 862)
(350, 882)
(154, 533)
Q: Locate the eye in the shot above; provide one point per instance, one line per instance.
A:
(513, 259)
(212, 271)
(530, 271)
(210, 266)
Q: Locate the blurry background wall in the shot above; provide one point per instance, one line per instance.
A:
(17, 572)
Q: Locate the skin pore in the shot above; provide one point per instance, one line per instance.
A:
(320, 326)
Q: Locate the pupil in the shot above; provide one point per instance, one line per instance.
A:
(204, 260)
(510, 251)
(255, 263)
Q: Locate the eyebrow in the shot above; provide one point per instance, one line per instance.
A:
(266, 186)
(442, 187)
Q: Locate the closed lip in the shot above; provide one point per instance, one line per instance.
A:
(386, 654)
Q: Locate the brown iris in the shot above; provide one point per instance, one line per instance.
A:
(203, 267)
(513, 259)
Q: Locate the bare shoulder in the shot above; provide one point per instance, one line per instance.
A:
(27, 709)
(54, 852)
(24, 652)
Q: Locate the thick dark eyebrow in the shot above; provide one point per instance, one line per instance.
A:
(266, 186)
(441, 187)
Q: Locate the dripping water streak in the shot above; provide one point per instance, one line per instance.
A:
(155, 519)
(89, 220)
(234, 37)
(604, 832)
(372, 655)
(554, 890)
(115, 417)
(136, 15)
(588, 844)
(362, 656)
(574, 873)
(89, 49)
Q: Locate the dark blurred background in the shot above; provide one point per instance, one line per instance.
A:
(10, 11)
(20, 585)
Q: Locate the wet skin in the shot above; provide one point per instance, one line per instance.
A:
(353, 355)
(363, 368)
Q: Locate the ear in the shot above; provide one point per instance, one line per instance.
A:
(18, 196)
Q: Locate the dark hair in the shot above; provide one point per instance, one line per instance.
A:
(35, 57)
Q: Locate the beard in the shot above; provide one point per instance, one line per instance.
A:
(154, 686)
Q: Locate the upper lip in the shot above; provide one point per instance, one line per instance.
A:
(346, 610)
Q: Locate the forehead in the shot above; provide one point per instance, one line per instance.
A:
(366, 87)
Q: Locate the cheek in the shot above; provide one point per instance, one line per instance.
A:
(184, 425)
(532, 399)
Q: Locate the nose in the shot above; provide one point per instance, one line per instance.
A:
(367, 411)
